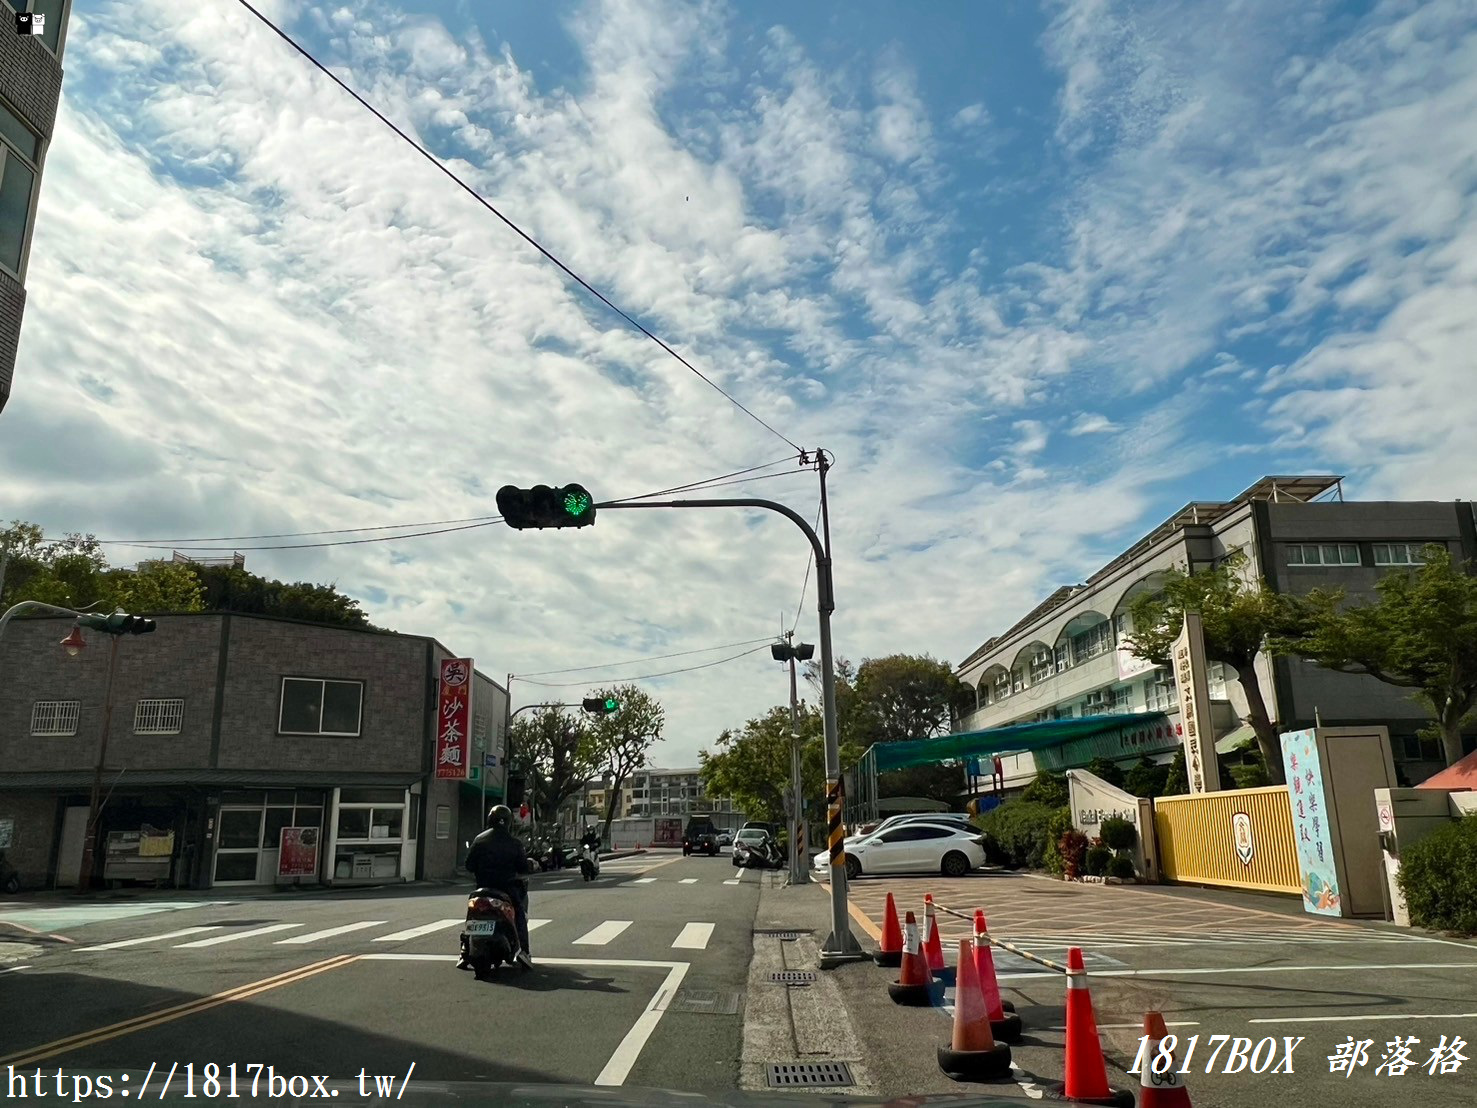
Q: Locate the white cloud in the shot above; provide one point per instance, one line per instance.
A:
(1092, 423)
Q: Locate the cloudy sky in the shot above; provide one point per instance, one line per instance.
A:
(1035, 274)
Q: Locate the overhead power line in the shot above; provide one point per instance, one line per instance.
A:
(633, 661)
(648, 676)
(810, 561)
(518, 230)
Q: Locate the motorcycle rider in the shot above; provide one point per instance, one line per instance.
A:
(498, 860)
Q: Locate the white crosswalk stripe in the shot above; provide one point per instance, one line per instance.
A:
(688, 881)
(694, 936)
(535, 924)
(601, 935)
(644, 881)
(423, 929)
(181, 933)
(236, 936)
(330, 932)
(735, 881)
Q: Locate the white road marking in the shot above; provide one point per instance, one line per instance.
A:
(535, 924)
(694, 936)
(218, 939)
(601, 935)
(1357, 1019)
(330, 932)
(1245, 969)
(735, 881)
(151, 938)
(619, 1067)
(688, 881)
(644, 881)
(417, 932)
(560, 881)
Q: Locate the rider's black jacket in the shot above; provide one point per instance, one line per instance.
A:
(498, 861)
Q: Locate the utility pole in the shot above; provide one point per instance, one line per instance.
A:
(94, 804)
(788, 651)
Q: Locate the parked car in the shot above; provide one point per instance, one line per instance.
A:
(701, 837)
(725, 838)
(917, 847)
(867, 830)
(759, 825)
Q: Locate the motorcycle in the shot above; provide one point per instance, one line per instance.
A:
(765, 854)
(589, 862)
(490, 933)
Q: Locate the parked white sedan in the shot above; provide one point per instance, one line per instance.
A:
(916, 847)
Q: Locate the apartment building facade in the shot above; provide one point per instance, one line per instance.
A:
(224, 729)
(673, 792)
(1067, 658)
(30, 90)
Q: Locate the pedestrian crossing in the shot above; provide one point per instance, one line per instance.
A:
(577, 932)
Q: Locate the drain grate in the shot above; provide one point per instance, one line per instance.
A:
(704, 1002)
(792, 977)
(782, 936)
(807, 1075)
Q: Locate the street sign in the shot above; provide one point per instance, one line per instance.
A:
(1387, 818)
(490, 761)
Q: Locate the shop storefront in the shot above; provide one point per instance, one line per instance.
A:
(373, 835)
(249, 828)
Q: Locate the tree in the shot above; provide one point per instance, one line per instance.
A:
(752, 766)
(621, 741)
(68, 572)
(1107, 769)
(231, 589)
(1048, 788)
(943, 781)
(156, 587)
(1239, 619)
(899, 697)
(1146, 779)
(1420, 634)
(558, 753)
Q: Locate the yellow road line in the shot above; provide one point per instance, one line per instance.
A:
(861, 917)
(179, 1011)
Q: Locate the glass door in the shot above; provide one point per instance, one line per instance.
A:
(239, 846)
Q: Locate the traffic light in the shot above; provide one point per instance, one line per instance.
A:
(118, 623)
(601, 705)
(543, 506)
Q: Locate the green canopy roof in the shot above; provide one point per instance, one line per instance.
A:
(1136, 731)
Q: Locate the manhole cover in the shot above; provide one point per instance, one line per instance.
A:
(806, 1075)
(792, 977)
(704, 1001)
(781, 935)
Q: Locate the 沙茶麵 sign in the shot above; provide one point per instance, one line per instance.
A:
(454, 719)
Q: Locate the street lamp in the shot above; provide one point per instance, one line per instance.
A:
(74, 642)
(791, 651)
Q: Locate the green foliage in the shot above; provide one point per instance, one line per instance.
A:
(623, 739)
(1118, 834)
(1238, 616)
(1421, 634)
(1021, 830)
(1250, 776)
(1121, 865)
(1438, 876)
(943, 782)
(1048, 788)
(558, 753)
(1146, 779)
(228, 589)
(892, 699)
(752, 766)
(1107, 769)
(1072, 847)
(1177, 782)
(1096, 862)
(1056, 828)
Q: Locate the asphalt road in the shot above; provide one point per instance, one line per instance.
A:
(1244, 967)
(634, 974)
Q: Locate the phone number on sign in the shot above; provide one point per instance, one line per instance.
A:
(253, 1079)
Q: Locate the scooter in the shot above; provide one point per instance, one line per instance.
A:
(589, 862)
(762, 855)
(490, 934)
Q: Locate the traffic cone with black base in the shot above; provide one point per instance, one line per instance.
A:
(1160, 1090)
(1087, 1074)
(1005, 1025)
(914, 987)
(933, 948)
(890, 953)
(972, 1054)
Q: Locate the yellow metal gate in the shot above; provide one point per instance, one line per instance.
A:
(1242, 839)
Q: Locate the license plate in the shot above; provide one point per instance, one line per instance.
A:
(482, 927)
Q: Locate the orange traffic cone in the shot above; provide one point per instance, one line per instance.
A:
(914, 987)
(1004, 1023)
(890, 953)
(973, 1054)
(1160, 1090)
(933, 949)
(1087, 1075)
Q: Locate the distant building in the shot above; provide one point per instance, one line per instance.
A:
(1066, 658)
(30, 89)
(225, 729)
(671, 792)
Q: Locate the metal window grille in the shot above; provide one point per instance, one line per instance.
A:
(55, 717)
(158, 717)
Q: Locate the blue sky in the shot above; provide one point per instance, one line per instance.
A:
(1036, 274)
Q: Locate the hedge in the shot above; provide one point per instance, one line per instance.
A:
(1438, 876)
(1017, 833)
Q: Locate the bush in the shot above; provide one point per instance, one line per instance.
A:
(1119, 834)
(1059, 824)
(1020, 831)
(1146, 779)
(1178, 781)
(1252, 776)
(1049, 789)
(1072, 847)
(1438, 876)
(1121, 865)
(1097, 860)
(1106, 769)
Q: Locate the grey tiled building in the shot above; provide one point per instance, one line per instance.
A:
(30, 89)
(1067, 658)
(226, 728)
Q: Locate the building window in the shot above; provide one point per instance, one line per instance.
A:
(1002, 686)
(1159, 691)
(1040, 666)
(313, 706)
(1096, 640)
(1095, 704)
(158, 717)
(1063, 657)
(1399, 554)
(55, 717)
(1017, 681)
(19, 153)
(1323, 554)
(51, 13)
(1120, 700)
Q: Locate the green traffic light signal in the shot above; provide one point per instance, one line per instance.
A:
(611, 704)
(542, 506)
(576, 501)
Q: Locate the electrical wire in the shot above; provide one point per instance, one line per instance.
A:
(633, 661)
(300, 534)
(518, 230)
(648, 676)
(810, 561)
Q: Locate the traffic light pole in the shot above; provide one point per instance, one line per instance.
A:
(94, 805)
(841, 944)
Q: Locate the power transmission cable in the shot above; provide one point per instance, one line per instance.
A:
(633, 661)
(810, 561)
(518, 230)
(648, 676)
